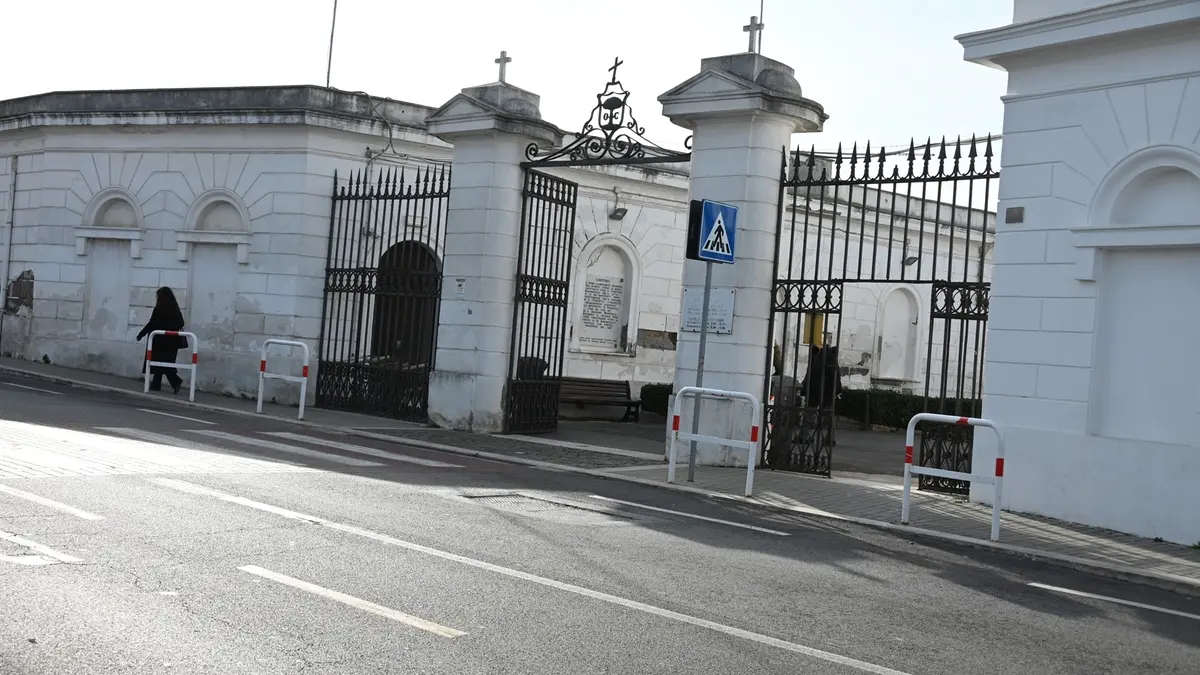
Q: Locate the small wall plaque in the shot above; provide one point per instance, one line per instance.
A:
(1014, 215)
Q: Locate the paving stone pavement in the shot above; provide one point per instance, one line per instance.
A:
(946, 514)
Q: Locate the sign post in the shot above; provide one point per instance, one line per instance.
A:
(712, 236)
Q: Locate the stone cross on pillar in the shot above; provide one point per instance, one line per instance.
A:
(753, 29)
(504, 60)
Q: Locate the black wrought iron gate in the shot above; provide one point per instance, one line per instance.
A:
(611, 136)
(383, 280)
(851, 226)
(540, 309)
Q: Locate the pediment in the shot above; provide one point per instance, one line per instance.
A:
(711, 82)
(463, 106)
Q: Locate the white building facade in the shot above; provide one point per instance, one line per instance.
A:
(1092, 364)
(223, 195)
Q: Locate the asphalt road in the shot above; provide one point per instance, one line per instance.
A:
(134, 541)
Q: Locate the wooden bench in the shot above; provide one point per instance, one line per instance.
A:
(584, 391)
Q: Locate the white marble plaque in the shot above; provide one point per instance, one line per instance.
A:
(603, 314)
(720, 310)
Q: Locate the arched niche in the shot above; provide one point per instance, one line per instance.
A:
(216, 217)
(113, 214)
(1150, 199)
(897, 334)
(405, 318)
(607, 286)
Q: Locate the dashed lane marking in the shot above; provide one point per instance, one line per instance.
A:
(178, 417)
(732, 631)
(44, 391)
(1105, 598)
(357, 603)
(44, 555)
(38, 499)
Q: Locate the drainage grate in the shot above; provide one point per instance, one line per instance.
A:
(545, 508)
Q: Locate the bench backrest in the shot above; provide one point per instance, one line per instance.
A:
(578, 387)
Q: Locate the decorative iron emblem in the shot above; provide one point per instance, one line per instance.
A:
(611, 135)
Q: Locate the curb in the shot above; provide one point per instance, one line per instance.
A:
(1168, 582)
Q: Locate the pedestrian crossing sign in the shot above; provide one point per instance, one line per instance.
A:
(712, 232)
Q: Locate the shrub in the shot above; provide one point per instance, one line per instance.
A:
(894, 409)
(655, 397)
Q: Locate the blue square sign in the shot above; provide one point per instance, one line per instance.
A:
(718, 232)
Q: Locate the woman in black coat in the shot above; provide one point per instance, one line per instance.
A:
(166, 316)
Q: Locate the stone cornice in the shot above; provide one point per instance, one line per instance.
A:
(998, 46)
(228, 105)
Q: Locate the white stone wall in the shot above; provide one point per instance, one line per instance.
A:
(1091, 359)
(650, 237)
(278, 177)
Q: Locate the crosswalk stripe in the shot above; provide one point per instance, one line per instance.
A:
(283, 447)
(363, 450)
(168, 440)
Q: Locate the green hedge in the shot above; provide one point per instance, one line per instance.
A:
(892, 408)
(655, 397)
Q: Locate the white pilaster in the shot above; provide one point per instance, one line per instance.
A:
(742, 110)
(490, 127)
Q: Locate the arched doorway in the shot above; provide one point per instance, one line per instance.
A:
(404, 323)
(898, 337)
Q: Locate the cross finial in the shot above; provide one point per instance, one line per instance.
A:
(753, 29)
(504, 60)
(617, 63)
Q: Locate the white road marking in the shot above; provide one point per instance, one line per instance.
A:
(282, 447)
(44, 391)
(362, 450)
(178, 443)
(41, 550)
(178, 417)
(357, 603)
(79, 513)
(1129, 603)
(543, 581)
(692, 515)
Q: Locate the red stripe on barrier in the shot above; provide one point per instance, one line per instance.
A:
(964, 420)
(908, 454)
(304, 372)
(262, 366)
(170, 332)
(675, 423)
(999, 467)
(149, 355)
(195, 358)
(754, 434)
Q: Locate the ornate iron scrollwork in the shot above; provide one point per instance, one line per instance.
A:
(611, 135)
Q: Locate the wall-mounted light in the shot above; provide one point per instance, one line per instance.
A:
(910, 261)
(618, 212)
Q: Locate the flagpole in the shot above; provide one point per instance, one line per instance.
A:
(332, 30)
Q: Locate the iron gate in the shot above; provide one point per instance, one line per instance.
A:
(543, 287)
(852, 226)
(383, 283)
(611, 136)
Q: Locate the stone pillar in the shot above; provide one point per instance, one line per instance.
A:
(742, 110)
(490, 127)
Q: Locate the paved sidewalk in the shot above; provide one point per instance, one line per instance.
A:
(874, 502)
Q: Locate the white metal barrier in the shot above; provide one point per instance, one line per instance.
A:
(187, 366)
(263, 375)
(996, 479)
(751, 445)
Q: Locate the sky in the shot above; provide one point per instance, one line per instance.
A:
(885, 70)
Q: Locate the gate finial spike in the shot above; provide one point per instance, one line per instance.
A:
(853, 160)
(837, 163)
